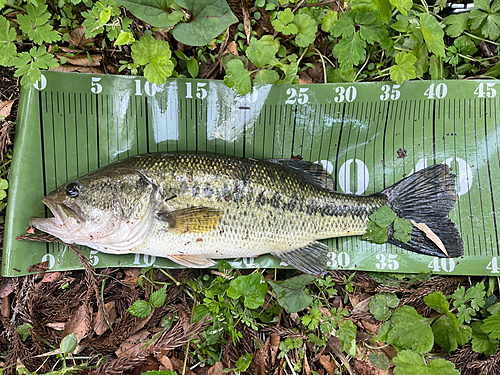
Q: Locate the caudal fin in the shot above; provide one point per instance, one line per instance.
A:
(427, 196)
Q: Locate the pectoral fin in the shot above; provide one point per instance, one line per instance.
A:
(192, 261)
(192, 220)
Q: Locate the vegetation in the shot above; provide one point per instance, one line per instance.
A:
(429, 323)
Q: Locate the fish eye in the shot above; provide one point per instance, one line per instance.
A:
(73, 189)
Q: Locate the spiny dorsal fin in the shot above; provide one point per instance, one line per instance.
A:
(314, 173)
(191, 219)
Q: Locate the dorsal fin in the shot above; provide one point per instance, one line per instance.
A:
(314, 173)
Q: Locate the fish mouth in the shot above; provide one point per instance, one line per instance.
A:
(65, 217)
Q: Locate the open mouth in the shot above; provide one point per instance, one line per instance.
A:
(63, 213)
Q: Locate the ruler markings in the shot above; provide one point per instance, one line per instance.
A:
(489, 179)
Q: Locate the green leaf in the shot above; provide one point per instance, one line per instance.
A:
(24, 330)
(290, 293)
(433, 34)
(402, 5)
(267, 76)
(404, 70)
(307, 29)
(402, 229)
(410, 363)
(465, 45)
(34, 25)
(384, 7)
(343, 26)
(401, 24)
(200, 311)
(7, 36)
(372, 29)
(155, 54)
(261, 54)
(193, 67)
(4, 184)
(475, 294)
(238, 77)
(481, 343)
(383, 217)
(422, 63)
(328, 21)
(252, 287)
(456, 24)
(159, 297)
(491, 326)
(375, 234)
(381, 303)
(124, 38)
(290, 71)
(209, 19)
(380, 361)
(448, 334)
(283, 24)
(436, 68)
(486, 18)
(438, 302)
(140, 309)
(409, 330)
(159, 13)
(68, 344)
(243, 362)
(28, 64)
(351, 51)
(347, 336)
(270, 41)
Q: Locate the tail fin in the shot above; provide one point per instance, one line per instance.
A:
(427, 196)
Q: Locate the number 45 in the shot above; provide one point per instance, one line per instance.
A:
(490, 90)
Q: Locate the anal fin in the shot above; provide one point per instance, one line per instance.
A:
(191, 219)
(192, 261)
(314, 258)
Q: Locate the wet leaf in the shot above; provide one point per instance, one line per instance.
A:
(290, 293)
(380, 305)
(68, 344)
(209, 19)
(252, 288)
(24, 330)
(159, 13)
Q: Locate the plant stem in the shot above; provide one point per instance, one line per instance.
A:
(360, 70)
(322, 62)
(479, 38)
(301, 56)
(170, 277)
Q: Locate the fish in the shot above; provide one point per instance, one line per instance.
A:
(193, 208)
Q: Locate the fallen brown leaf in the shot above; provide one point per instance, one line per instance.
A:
(304, 78)
(94, 60)
(5, 108)
(275, 344)
(7, 287)
(431, 236)
(306, 370)
(78, 39)
(166, 362)
(216, 369)
(51, 277)
(232, 48)
(59, 326)
(6, 307)
(328, 364)
(179, 365)
(131, 346)
(78, 324)
(246, 19)
(79, 69)
(100, 323)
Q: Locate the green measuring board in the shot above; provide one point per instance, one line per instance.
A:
(368, 135)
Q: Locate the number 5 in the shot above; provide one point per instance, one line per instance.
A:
(96, 87)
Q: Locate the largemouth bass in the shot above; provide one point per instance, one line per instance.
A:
(193, 208)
